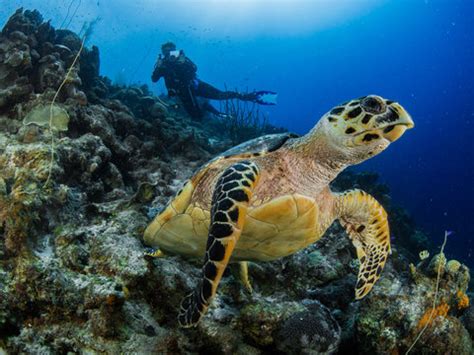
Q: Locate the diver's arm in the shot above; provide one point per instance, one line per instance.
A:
(159, 70)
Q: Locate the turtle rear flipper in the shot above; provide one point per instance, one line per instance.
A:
(244, 276)
(366, 223)
(230, 200)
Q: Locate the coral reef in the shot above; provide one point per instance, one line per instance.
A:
(73, 275)
(395, 317)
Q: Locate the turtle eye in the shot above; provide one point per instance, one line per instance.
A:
(373, 104)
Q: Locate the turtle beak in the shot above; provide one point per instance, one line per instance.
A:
(396, 129)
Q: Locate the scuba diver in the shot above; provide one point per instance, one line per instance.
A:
(180, 77)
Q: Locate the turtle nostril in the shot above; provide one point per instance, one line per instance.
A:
(373, 104)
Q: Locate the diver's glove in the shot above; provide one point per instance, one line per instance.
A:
(262, 97)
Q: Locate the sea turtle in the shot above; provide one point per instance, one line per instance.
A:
(270, 197)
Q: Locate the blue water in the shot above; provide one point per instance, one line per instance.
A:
(317, 54)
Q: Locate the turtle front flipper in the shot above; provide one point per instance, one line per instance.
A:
(365, 220)
(230, 200)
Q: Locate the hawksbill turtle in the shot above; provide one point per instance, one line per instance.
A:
(270, 197)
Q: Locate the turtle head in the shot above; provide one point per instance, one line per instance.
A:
(364, 127)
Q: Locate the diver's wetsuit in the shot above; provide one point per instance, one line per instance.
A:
(180, 80)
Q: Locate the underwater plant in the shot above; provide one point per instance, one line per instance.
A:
(245, 120)
(67, 14)
(88, 28)
(52, 109)
(435, 310)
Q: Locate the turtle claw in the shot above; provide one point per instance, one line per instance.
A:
(190, 311)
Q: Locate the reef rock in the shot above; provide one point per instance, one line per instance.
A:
(312, 331)
(395, 315)
(32, 62)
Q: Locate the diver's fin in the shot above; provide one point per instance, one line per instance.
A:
(266, 97)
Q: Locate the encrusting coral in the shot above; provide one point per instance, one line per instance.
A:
(463, 300)
(430, 315)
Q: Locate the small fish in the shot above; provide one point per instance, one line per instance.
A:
(154, 253)
(424, 254)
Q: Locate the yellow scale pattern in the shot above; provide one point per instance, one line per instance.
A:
(366, 223)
